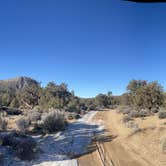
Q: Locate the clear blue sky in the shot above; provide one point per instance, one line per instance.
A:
(94, 46)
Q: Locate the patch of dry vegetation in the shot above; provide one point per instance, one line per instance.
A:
(53, 121)
(24, 146)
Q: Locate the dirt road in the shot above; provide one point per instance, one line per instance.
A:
(139, 149)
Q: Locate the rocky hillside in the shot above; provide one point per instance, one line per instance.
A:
(15, 84)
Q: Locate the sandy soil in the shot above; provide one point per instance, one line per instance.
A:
(128, 148)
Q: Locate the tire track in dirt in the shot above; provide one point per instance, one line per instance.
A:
(103, 155)
(114, 152)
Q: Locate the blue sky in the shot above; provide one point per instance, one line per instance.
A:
(94, 46)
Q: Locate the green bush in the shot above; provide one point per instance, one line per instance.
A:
(144, 95)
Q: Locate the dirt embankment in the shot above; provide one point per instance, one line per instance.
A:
(126, 147)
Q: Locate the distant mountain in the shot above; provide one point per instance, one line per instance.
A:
(15, 84)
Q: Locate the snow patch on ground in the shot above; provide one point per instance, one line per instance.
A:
(58, 149)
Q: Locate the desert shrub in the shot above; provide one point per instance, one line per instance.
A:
(38, 127)
(3, 123)
(113, 106)
(144, 113)
(83, 112)
(134, 114)
(10, 111)
(13, 111)
(154, 109)
(37, 108)
(134, 126)
(3, 113)
(53, 121)
(23, 124)
(25, 147)
(124, 109)
(102, 100)
(126, 118)
(34, 116)
(91, 107)
(140, 113)
(162, 114)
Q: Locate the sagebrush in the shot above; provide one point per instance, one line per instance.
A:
(53, 121)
